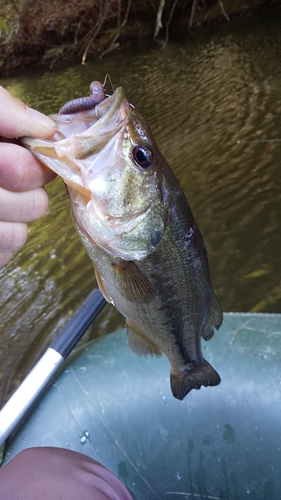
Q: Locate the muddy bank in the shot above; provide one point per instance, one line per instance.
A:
(36, 31)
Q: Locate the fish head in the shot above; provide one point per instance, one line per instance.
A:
(112, 168)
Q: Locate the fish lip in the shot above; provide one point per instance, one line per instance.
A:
(116, 98)
(102, 112)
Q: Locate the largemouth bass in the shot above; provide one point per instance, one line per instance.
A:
(138, 229)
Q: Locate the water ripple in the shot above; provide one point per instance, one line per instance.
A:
(201, 96)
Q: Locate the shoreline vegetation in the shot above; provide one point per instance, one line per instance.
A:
(34, 32)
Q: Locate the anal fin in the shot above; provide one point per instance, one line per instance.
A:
(182, 382)
(139, 343)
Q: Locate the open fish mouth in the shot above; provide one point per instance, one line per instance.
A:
(113, 200)
(79, 137)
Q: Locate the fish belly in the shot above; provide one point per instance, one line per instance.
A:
(164, 315)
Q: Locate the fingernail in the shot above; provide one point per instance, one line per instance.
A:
(40, 118)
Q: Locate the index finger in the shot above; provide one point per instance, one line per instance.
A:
(17, 120)
(19, 169)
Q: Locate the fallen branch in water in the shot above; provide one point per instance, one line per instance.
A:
(223, 10)
(101, 18)
(168, 22)
(158, 24)
(192, 14)
(114, 45)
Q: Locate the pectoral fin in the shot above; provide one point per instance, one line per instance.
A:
(139, 343)
(134, 286)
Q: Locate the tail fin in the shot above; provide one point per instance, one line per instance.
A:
(183, 382)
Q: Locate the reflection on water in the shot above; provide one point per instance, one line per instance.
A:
(201, 97)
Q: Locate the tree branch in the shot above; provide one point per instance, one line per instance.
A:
(223, 10)
(168, 22)
(158, 24)
(192, 14)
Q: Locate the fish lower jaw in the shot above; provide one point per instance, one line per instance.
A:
(119, 237)
(111, 243)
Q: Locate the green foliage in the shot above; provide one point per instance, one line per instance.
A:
(3, 25)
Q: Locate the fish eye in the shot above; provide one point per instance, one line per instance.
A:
(143, 157)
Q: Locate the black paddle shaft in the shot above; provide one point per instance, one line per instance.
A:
(78, 324)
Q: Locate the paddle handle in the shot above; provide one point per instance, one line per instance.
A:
(37, 379)
(28, 391)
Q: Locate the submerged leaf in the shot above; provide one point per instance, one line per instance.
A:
(255, 274)
(3, 24)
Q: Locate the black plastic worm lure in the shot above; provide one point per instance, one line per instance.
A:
(96, 96)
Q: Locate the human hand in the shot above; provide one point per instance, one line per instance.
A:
(22, 196)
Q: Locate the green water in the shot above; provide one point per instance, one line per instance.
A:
(201, 96)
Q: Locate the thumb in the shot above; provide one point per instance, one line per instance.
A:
(17, 120)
